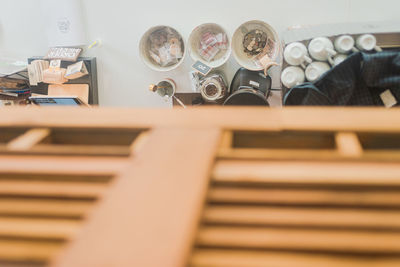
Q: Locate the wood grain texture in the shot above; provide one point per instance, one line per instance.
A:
(240, 118)
(27, 250)
(348, 144)
(300, 239)
(275, 200)
(166, 225)
(38, 228)
(42, 208)
(308, 172)
(57, 190)
(310, 217)
(28, 139)
(308, 197)
(248, 258)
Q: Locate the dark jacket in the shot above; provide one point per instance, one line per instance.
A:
(357, 81)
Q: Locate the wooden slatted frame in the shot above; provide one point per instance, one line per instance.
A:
(30, 143)
(74, 256)
(348, 148)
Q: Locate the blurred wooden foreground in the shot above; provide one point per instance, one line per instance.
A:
(199, 187)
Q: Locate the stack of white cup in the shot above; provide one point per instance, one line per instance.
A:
(323, 51)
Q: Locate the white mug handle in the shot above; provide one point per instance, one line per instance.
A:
(355, 50)
(330, 51)
(268, 66)
(378, 49)
(330, 60)
(307, 59)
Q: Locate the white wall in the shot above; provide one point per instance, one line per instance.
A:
(123, 78)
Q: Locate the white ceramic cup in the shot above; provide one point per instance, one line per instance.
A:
(321, 48)
(168, 88)
(344, 44)
(292, 76)
(367, 42)
(315, 70)
(296, 54)
(339, 58)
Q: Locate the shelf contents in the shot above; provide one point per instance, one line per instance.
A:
(296, 54)
(339, 58)
(166, 89)
(209, 43)
(367, 42)
(292, 76)
(256, 46)
(325, 53)
(321, 48)
(344, 44)
(162, 48)
(249, 88)
(254, 42)
(213, 88)
(316, 70)
(63, 53)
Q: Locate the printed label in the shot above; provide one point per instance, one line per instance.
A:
(388, 99)
(201, 67)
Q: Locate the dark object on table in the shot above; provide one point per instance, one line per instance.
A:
(198, 101)
(214, 88)
(249, 88)
(363, 79)
(11, 83)
(90, 79)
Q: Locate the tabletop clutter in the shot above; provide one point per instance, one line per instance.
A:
(310, 60)
(210, 47)
(165, 46)
(256, 47)
(211, 44)
(48, 70)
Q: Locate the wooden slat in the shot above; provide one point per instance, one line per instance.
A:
(138, 143)
(243, 258)
(9, 133)
(279, 154)
(34, 207)
(348, 144)
(28, 140)
(302, 217)
(39, 228)
(296, 239)
(311, 140)
(25, 251)
(222, 194)
(243, 118)
(51, 164)
(308, 172)
(145, 222)
(226, 140)
(299, 154)
(81, 150)
(55, 177)
(57, 189)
